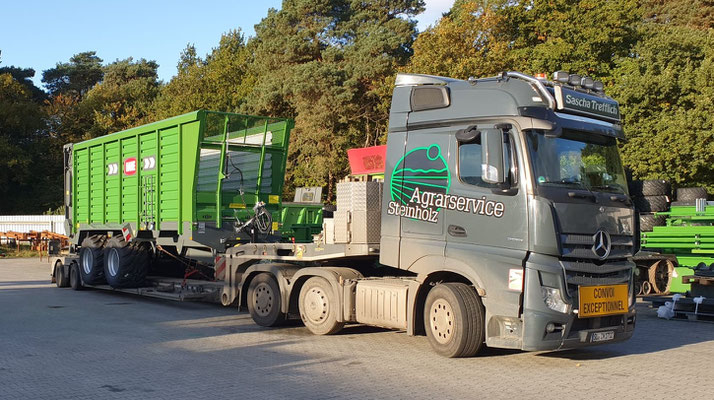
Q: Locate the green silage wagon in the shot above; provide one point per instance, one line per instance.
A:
(183, 177)
(203, 180)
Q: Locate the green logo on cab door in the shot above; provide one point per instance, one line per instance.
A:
(419, 188)
(423, 169)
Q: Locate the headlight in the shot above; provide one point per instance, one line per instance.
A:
(554, 300)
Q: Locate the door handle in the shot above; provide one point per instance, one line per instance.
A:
(457, 231)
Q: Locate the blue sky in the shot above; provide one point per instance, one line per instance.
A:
(41, 33)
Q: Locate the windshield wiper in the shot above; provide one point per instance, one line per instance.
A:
(579, 185)
(565, 182)
(611, 188)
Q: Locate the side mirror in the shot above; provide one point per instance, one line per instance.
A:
(492, 168)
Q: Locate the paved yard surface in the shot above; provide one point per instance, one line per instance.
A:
(59, 343)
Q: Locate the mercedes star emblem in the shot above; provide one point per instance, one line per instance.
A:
(601, 247)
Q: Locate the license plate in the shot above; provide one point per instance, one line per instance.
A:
(602, 336)
(596, 301)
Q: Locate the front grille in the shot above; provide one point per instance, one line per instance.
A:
(581, 273)
(578, 246)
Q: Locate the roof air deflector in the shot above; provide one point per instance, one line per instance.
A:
(420, 79)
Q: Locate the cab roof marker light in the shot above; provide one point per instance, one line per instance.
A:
(561, 76)
(541, 76)
(574, 80)
(598, 86)
(587, 83)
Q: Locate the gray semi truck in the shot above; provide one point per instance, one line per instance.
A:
(503, 220)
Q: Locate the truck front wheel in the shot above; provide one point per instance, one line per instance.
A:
(264, 301)
(454, 320)
(318, 308)
(91, 258)
(126, 264)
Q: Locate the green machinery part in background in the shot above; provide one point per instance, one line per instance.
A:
(689, 235)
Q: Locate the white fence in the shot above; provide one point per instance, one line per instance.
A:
(27, 223)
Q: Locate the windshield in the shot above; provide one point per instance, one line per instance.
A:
(576, 160)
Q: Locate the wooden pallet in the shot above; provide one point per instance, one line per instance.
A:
(698, 280)
(691, 316)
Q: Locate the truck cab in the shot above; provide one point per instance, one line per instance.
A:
(513, 185)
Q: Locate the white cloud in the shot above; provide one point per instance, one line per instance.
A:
(433, 12)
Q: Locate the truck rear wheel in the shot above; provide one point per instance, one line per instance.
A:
(264, 301)
(61, 279)
(126, 264)
(454, 320)
(91, 258)
(75, 281)
(318, 308)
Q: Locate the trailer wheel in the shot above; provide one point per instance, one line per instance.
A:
(454, 320)
(318, 308)
(264, 301)
(61, 279)
(91, 258)
(126, 264)
(75, 280)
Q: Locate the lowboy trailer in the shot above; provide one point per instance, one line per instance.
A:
(503, 219)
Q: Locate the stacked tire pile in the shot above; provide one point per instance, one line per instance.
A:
(649, 197)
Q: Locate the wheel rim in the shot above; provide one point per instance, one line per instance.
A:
(441, 319)
(87, 260)
(113, 262)
(263, 299)
(316, 307)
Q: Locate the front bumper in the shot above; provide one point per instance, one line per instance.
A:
(570, 331)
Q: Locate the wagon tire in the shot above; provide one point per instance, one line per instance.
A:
(91, 259)
(126, 264)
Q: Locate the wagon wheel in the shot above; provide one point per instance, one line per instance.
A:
(660, 276)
